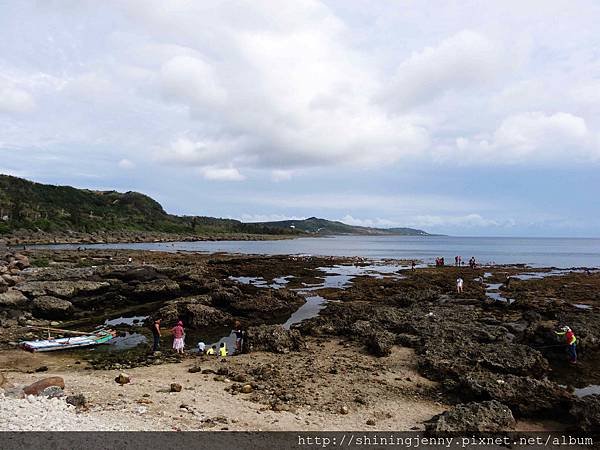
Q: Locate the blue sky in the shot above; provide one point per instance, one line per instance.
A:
(446, 116)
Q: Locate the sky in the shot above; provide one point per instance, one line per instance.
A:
(457, 117)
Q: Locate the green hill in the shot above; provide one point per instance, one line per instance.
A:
(314, 225)
(25, 205)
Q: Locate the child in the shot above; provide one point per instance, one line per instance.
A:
(178, 334)
(222, 350)
(201, 347)
(212, 351)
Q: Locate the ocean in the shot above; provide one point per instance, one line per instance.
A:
(535, 252)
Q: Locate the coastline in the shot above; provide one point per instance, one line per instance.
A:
(76, 238)
(391, 349)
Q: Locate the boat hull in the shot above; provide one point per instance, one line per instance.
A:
(49, 345)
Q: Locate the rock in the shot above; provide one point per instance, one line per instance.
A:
(122, 378)
(380, 343)
(77, 400)
(344, 410)
(371, 422)
(37, 387)
(246, 389)
(194, 312)
(264, 304)
(52, 307)
(526, 396)
(13, 298)
(195, 369)
(63, 289)
(491, 416)
(52, 392)
(157, 288)
(273, 338)
(175, 387)
(586, 411)
(42, 369)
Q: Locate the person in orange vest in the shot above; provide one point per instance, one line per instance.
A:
(571, 343)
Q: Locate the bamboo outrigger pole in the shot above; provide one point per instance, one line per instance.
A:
(83, 333)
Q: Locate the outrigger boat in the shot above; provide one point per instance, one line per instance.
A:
(80, 340)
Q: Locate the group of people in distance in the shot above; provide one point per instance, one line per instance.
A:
(178, 333)
(458, 262)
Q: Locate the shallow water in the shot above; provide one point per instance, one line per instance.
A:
(536, 252)
(588, 390)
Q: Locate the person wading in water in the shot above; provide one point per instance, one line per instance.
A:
(156, 335)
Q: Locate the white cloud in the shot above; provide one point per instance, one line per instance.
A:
(530, 136)
(460, 62)
(463, 221)
(221, 174)
(376, 223)
(126, 164)
(15, 100)
(268, 217)
(281, 175)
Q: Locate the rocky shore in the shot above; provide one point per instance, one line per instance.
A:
(24, 238)
(396, 350)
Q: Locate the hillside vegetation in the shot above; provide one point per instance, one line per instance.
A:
(26, 205)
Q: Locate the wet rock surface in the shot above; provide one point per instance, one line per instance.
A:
(491, 416)
(273, 338)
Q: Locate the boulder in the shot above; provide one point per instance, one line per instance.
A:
(526, 396)
(380, 343)
(64, 289)
(48, 307)
(586, 411)
(122, 379)
(79, 400)
(194, 312)
(175, 387)
(157, 288)
(13, 299)
(39, 386)
(491, 416)
(265, 304)
(273, 338)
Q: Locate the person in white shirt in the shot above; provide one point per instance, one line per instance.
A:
(459, 285)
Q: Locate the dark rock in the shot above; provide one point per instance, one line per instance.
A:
(37, 387)
(491, 416)
(42, 369)
(122, 378)
(52, 392)
(273, 338)
(175, 387)
(77, 400)
(13, 298)
(380, 343)
(194, 312)
(51, 307)
(195, 369)
(526, 396)
(586, 411)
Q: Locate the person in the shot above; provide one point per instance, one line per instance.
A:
(460, 261)
(222, 350)
(201, 348)
(571, 341)
(239, 336)
(212, 351)
(456, 263)
(156, 335)
(178, 334)
(412, 265)
(459, 285)
(129, 260)
(507, 281)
